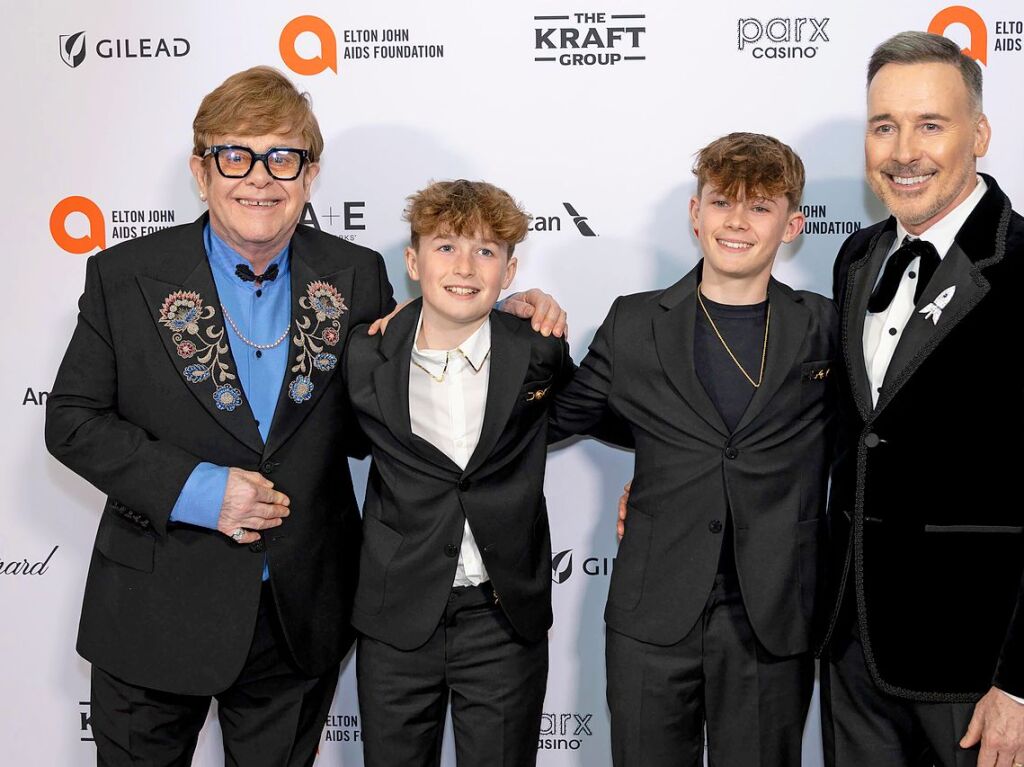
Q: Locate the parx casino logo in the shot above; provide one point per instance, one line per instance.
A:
(564, 731)
(782, 37)
(589, 39)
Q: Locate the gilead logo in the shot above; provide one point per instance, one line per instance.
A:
(95, 237)
(961, 14)
(328, 58)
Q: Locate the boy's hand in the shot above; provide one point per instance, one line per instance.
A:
(620, 528)
(548, 317)
(381, 323)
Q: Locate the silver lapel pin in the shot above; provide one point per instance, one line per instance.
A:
(934, 310)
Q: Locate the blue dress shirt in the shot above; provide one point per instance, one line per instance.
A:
(262, 314)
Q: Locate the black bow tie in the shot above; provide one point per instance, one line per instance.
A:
(897, 265)
(243, 272)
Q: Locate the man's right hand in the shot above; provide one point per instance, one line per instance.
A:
(251, 504)
(623, 500)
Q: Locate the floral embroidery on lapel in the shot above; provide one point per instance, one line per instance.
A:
(327, 305)
(181, 313)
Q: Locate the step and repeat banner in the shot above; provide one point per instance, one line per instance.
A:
(589, 113)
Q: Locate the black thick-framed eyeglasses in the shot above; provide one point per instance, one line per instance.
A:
(282, 162)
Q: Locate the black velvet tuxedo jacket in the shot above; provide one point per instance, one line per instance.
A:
(771, 471)
(418, 500)
(171, 606)
(926, 521)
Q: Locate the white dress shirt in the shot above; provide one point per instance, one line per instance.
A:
(447, 398)
(879, 339)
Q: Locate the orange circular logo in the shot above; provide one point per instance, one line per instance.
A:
(94, 238)
(328, 58)
(961, 14)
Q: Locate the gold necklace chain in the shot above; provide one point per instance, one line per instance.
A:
(245, 340)
(764, 350)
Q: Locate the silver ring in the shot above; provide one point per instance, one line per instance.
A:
(238, 534)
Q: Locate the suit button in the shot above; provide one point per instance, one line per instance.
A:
(257, 546)
(872, 440)
(463, 484)
(451, 550)
(715, 526)
(731, 452)
(268, 467)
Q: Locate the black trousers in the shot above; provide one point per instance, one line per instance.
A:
(865, 727)
(753, 704)
(494, 678)
(272, 715)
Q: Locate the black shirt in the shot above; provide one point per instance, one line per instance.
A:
(743, 329)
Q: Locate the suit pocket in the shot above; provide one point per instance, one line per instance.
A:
(814, 387)
(1006, 529)
(380, 544)
(627, 586)
(125, 543)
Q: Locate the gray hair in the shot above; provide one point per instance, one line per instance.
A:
(924, 47)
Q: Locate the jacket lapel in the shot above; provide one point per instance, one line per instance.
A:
(510, 360)
(186, 311)
(980, 242)
(320, 323)
(673, 342)
(860, 282)
(787, 329)
(391, 383)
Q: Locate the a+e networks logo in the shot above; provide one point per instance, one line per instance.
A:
(562, 566)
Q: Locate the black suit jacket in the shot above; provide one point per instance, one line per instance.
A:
(927, 530)
(172, 606)
(771, 472)
(417, 499)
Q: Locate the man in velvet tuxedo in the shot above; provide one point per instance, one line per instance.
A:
(197, 393)
(723, 380)
(925, 641)
(454, 595)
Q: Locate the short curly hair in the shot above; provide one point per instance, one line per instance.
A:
(465, 208)
(256, 102)
(753, 165)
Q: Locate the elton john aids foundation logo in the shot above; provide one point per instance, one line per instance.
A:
(327, 58)
(95, 232)
(960, 14)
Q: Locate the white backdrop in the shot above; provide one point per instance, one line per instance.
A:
(418, 91)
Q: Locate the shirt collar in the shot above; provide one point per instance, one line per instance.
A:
(224, 260)
(474, 350)
(942, 233)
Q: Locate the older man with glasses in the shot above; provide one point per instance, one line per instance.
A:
(196, 394)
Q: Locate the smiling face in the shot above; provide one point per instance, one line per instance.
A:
(255, 215)
(923, 138)
(460, 277)
(740, 237)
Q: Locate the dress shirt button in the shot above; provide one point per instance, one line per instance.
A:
(912, 275)
(893, 331)
(872, 440)
(257, 546)
(451, 550)
(715, 526)
(463, 484)
(259, 293)
(731, 452)
(258, 354)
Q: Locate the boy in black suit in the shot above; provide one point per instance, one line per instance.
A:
(454, 594)
(723, 380)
